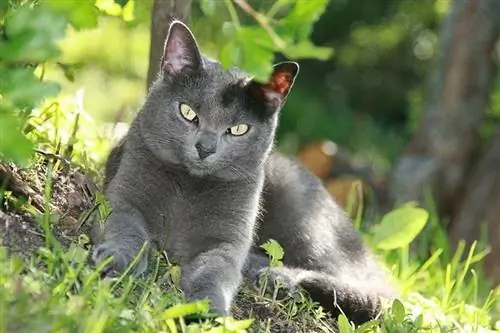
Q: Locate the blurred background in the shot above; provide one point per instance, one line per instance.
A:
(396, 101)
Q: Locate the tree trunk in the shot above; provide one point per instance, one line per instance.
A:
(163, 12)
(440, 154)
(481, 204)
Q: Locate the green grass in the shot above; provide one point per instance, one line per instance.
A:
(56, 290)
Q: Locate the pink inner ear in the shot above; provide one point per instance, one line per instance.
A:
(280, 83)
(176, 54)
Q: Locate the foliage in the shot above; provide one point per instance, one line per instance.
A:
(274, 251)
(28, 41)
(284, 26)
(57, 291)
(400, 227)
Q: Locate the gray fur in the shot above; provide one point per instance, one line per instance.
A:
(210, 212)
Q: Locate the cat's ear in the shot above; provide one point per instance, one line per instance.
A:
(180, 53)
(274, 92)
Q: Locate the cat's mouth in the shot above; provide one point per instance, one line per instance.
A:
(199, 168)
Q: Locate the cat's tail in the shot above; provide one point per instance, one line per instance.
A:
(360, 301)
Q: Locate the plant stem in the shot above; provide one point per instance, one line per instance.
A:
(233, 14)
(263, 22)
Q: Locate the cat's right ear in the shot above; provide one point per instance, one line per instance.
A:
(180, 53)
(274, 92)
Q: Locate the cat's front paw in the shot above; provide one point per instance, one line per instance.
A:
(122, 259)
(276, 281)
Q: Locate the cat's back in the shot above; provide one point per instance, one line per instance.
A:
(282, 170)
(287, 179)
(296, 204)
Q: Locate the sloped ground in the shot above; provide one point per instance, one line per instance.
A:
(24, 208)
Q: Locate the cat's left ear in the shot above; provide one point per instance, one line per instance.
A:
(275, 91)
(181, 53)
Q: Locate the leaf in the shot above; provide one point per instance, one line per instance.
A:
(418, 321)
(122, 3)
(175, 275)
(109, 7)
(33, 90)
(230, 55)
(208, 7)
(234, 325)
(82, 14)
(4, 7)
(398, 310)
(399, 227)
(181, 310)
(76, 254)
(27, 42)
(343, 324)
(369, 326)
(306, 49)
(14, 146)
(304, 11)
(274, 250)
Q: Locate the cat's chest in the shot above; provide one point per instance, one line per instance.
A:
(176, 198)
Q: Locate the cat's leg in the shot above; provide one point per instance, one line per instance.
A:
(123, 237)
(214, 274)
(113, 162)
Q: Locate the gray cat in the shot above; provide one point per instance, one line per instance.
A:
(196, 175)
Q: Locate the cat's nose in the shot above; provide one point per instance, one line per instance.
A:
(205, 149)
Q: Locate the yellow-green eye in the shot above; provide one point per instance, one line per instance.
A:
(188, 113)
(238, 129)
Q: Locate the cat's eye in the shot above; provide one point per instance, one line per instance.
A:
(238, 129)
(188, 113)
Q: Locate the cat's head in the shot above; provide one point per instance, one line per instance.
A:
(208, 120)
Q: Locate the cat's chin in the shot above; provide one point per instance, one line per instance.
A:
(198, 170)
(201, 171)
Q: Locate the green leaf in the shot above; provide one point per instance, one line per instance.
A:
(82, 14)
(122, 3)
(233, 325)
(33, 90)
(175, 275)
(398, 310)
(343, 324)
(76, 254)
(14, 146)
(181, 310)
(399, 227)
(274, 250)
(418, 322)
(306, 49)
(304, 11)
(4, 7)
(369, 326)
(249, 57)
(109, 7)
(208, 7)
(27, 42)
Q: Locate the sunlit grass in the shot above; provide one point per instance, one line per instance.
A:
(57, 291)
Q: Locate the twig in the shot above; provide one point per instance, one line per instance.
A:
(233, 14)
(54, 156)
(263, 22)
